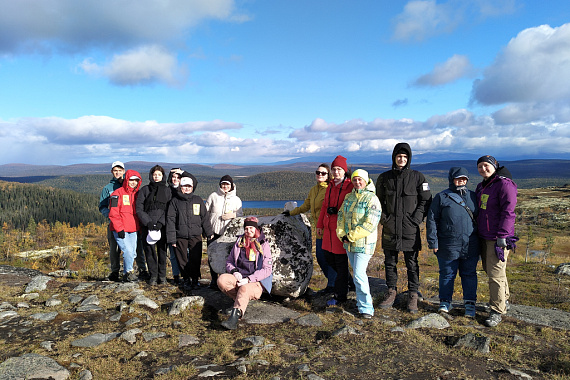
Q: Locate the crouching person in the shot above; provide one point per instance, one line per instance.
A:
(249, 271)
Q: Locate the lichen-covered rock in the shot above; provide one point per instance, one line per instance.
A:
(289, 238)
(563, 269)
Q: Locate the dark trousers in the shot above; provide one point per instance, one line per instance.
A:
(114, 251)
(155, 256)
(189, 256)
(140, 259)
(411, 260)
(339, 262)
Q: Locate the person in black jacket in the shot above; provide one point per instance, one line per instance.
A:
(152, 203)
(405, 198)
(186, 223)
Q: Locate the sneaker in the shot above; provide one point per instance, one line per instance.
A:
(444, 307)
(365, 316)
(470, 309)
(332, 302)
(130, 276)
(494, 319)
(389, 298)
(114, 276)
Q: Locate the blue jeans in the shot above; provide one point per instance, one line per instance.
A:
(328, 271)
(467, 271)
(359, 263)
(129, 247)
(174, 261)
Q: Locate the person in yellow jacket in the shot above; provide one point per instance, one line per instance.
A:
(357, 228)
(314, 203)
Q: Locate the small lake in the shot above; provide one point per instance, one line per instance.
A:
(267, 204)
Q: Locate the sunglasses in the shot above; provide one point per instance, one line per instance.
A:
(321, 173)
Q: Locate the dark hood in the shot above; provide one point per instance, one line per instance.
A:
(504, 172)
(194, 180)
(150, 180)
(455, 172)
(406, 147)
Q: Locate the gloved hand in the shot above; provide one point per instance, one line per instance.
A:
(150, 226)
(238, 276)
(286, 213)
(159, 226)
(501, 242)
(345, 239)
(121, 234)
(228, 215)
(243, 282)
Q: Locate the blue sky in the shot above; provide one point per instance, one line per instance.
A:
(252, 81)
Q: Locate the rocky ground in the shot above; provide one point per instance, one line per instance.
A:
(62, 328)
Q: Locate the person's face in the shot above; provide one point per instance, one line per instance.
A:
(322, 174)
(358, 183)
(338, 172)
(133, 183)
(157, 176)
(186, 189)
(118, 172)
(175, 179)
(485, 169)
(461, 181)
(401, 160)
(226, 187)
(249, 231)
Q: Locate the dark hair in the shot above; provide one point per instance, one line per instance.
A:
(157, 168)
(329, 176)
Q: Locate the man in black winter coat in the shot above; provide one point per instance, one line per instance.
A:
(405, 198)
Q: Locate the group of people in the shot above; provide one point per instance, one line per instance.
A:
(347, 207)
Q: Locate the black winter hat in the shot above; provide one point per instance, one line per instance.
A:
(228, 179)
(490, 160)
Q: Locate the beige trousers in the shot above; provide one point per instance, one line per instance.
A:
(240, 294)
(497, 272)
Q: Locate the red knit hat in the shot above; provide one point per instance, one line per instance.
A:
(341, 162)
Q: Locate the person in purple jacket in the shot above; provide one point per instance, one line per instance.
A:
(497, 198)
(249, 271)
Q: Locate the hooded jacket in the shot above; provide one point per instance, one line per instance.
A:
(153, 211)
(122, 212)
(358, 220)
(263, 263)
(497, 199)
(405, 197)
(219, 203)
(113, 185)
(314, 202)
(334, 197)
(186, 215)
(449, 227)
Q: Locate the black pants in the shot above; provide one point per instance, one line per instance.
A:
(155, 255)
(339, 262)
(411, 260)
(189, 256)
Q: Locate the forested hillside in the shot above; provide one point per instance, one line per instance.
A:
(20, 203)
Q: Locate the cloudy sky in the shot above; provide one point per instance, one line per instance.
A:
(248, 81)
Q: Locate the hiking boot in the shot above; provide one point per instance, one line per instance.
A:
(494, 319)
(114, 276)
(161, 281)
(176, 280)
(153, 281)
(389, 298)
(130, 276)
(444, 307)
(144, 275)
(470, 309)
(412, 302)
(232, 321)
(365, 316)
(195, 284)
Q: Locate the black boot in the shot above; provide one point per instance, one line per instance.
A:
(232, 321)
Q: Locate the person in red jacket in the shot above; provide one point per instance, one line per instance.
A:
(333, 249)
(124, 221)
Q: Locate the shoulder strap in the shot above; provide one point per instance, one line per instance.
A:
(457, 199)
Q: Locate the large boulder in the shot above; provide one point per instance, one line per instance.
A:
(291, 249)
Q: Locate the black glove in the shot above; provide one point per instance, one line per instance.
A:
(286, 213)
(159, 226)
(150, 225)
(345, 239)
(121, 234)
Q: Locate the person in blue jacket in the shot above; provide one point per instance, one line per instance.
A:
(451, 229)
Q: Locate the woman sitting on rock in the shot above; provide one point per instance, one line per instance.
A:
(249, 271)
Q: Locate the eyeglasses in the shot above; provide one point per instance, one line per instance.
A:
(321, 173)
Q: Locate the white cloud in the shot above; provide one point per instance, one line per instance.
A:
(533, 67)
(143, 65)
(456, 67)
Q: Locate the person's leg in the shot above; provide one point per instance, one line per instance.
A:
(129, 247)
(245, 293)
(328, 271)
(151, 260)
(497, 273)
(228, 285)
(161, 253)
(195, 258)
(182, 257)
(447, 274)
(413, 269)
(359, 262)
(468, 274)
(114, 252)
(140, 256)
(341, 283)
(174, 261)
(390, 267)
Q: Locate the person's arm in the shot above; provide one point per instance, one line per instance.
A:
(267, 266)
(306, 206)
(424, 199)
(104, 202)
(369, 222)
(507, 204)
(239, 211)
(143, 216)
(171, 223)
(432, 222)
(115, 204)
(230, 261)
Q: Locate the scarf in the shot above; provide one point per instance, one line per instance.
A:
(158, 196)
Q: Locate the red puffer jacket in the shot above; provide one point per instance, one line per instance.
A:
(333, 198)
(122, 213)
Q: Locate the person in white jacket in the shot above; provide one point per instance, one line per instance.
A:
(222, 206)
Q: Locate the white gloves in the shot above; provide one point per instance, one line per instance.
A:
(228, 215)
(243, 282)
(238, 276)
